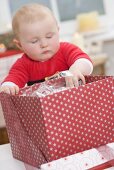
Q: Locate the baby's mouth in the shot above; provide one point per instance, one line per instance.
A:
(46, 52)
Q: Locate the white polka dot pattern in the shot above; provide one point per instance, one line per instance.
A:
(23, 147)
(60, 124)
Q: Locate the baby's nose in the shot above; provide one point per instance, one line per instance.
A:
(43, 43)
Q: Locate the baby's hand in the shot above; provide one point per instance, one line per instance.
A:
(9, 89)
(73, 81)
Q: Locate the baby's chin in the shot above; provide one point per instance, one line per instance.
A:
(43, 59)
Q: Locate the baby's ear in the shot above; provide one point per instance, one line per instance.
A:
(17, 43)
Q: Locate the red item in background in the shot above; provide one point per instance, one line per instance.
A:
(43, 129)
(9, 53)
(108, 164)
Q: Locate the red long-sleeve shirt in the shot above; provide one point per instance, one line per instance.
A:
(25, 69)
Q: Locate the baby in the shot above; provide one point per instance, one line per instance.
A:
(37, 35)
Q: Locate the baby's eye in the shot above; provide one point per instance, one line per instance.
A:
(49, 36)
(34, 41)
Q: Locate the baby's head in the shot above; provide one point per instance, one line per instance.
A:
(35, 28)
(29, 14)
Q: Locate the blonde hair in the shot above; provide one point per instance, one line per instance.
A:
(30, 13)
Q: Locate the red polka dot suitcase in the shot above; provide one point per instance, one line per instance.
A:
(42, 129)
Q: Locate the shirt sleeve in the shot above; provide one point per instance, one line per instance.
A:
(18, 73)
(84, 65)
(73, 53)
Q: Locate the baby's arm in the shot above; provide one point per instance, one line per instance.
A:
(78, 69)
(9, 87)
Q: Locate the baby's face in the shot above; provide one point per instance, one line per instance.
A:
(40, 39)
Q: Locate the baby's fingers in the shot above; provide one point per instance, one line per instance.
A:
(82, 78)
(69, 81)
(9, 89)
(5, 89)
(14, 90)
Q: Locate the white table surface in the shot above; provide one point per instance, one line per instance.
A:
(7, 162)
